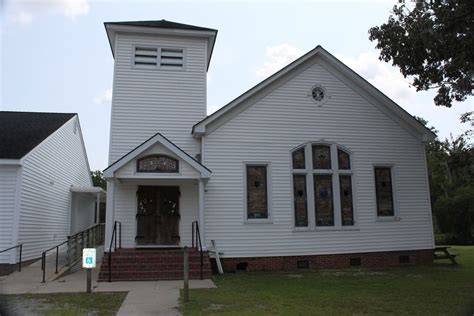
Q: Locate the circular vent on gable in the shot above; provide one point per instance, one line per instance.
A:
(318, 94)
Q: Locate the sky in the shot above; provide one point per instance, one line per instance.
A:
(55, 56)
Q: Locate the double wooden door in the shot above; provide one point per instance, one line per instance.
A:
(158, 216)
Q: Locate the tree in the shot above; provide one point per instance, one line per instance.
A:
(451, 176)
(98, 179)
(433, 44)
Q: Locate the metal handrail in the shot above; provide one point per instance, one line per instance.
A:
(21, 251)
(68, 241)
(195, 230)
(114, 234)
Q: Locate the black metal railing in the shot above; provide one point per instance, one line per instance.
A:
(21, 252)
(90, 237)
(196, 236)
(112, 240)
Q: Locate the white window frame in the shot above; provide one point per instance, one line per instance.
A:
(396, 208)
(335, 172)
(269, 219)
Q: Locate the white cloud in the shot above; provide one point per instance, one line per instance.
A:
(277, 57)
(104, 98)
(24, 11)
(383, 76)
(22, 17)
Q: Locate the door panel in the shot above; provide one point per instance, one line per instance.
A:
(158, 215)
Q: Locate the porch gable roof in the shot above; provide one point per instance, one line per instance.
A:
(157, 138)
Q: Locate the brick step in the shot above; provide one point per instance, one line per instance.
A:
(152, 275)
(154, 255)
(152, 260)
(153, 264)
(153, 252)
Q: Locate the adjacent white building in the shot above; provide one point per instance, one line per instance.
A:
(46, 191)
(312, 163)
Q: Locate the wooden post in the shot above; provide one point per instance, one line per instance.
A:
(89, 280)
(186, 274)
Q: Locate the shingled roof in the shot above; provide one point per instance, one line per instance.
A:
(20, 132)
(162, 24)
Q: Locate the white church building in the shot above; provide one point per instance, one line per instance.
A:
(311, 168)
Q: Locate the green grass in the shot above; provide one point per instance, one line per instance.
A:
(440, 289)
(62, 304)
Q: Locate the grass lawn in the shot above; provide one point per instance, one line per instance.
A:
(440, 289)
(62, 304)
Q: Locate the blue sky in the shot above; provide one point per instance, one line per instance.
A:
(55, 56)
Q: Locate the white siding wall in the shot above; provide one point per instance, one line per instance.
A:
(286, 118)
(82, 212)
(126, 208)
(129, 169)
(147, 101)
(8, 188)
(49, 171)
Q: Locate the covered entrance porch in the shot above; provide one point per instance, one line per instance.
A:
(155, 200)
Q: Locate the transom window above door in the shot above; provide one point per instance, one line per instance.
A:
(322, 186)
(158, 163)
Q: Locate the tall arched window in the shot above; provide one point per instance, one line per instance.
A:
(322, 186)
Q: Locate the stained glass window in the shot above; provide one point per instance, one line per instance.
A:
(321, 157)
(331, 173)
(343, 160)
(299, 193)
(383, 189)
(257, 199)
(158, 163)
(323, 200)
(347, 212)
(298, 159)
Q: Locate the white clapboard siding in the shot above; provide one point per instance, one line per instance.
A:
(129, 169)
(8, 188)
(286, 118)
(126, 207)
(49, 171)
(147, 100)
(82, 212)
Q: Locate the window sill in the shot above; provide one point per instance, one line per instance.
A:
(254, 221)
(388, 219)
(321, 229)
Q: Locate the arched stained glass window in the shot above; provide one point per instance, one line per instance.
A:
(158, 163)
(326, 179)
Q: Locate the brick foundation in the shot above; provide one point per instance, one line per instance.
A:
(336, 261)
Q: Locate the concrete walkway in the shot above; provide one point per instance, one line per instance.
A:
(144, 297)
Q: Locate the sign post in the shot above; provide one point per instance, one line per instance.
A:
(89, 262)
(186, 274)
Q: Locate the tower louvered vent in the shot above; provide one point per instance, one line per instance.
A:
(172, 57)
(147, 56)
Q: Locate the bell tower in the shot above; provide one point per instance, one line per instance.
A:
(159, 82)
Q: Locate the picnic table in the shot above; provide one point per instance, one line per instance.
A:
(443, 253)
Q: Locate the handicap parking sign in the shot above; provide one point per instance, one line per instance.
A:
(88, 258)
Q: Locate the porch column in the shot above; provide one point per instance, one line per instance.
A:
(97, 209)
(202, 227)
(109, 213)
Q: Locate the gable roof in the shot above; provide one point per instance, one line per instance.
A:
(20, 132)
(157, 138)
(162, 27)
(354, 80)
